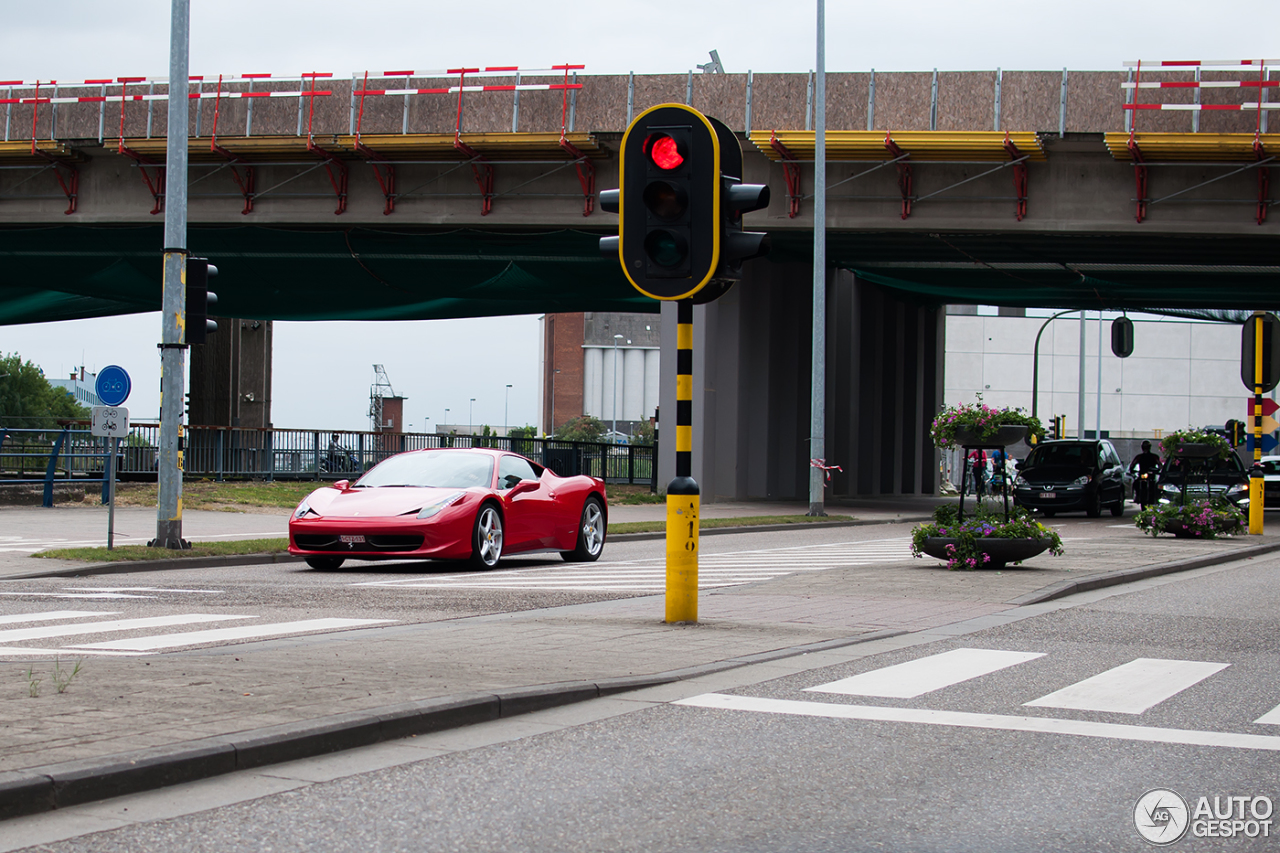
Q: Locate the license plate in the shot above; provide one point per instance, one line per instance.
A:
(355, 539)
(1048, 494)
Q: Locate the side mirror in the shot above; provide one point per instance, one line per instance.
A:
(342, 485)
(523, 486)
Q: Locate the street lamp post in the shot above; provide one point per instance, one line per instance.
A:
(446, 418)
(1035, 364)
(471, 430)
(613, 437)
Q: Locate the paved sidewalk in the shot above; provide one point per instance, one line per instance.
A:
(135, 723)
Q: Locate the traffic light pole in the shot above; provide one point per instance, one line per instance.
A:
(683, 500)
(1257, 480)
(173, 346)
(818, 373)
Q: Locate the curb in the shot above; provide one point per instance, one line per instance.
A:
(1061, 589)
(69, 783)
(124, 567)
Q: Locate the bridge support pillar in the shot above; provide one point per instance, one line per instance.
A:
(751, 393)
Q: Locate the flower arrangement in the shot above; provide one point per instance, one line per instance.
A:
(980, 419)
(986, 523)
(1174, 441)
(1206, 519)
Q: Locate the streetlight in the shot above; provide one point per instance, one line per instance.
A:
(613, 437)
(506, 407)
(470, 408)
(1035, 364)
(446, 417)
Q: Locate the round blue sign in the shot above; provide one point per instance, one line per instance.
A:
(113, 385)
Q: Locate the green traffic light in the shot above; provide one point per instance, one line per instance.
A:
(665, 248)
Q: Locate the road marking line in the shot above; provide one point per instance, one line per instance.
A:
(1130, 688)
(927, 674)
(1271, 718)
(91, 595)
(15, 651)
(218, 635)
(19, 634)
(50, 615)
(961, 719)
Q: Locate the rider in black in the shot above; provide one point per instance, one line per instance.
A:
(1146, 461)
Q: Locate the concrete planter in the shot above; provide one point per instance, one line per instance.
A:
(1000, 551)
(1006, 436)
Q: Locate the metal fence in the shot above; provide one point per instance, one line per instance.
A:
(234, 453)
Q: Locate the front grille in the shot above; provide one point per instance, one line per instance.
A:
(374, 542)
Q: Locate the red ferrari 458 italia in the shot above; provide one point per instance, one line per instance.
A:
(455, 504)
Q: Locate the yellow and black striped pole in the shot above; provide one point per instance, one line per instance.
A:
(1257, 481)
(682, 492)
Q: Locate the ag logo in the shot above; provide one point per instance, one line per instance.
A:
(1161, 816)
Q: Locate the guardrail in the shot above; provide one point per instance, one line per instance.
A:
(70, 453)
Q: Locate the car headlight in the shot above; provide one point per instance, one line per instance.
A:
(1021, 483)
(1082, 481)
(1237, 489)
(431, 509)
(304, 509)
(1171, 487)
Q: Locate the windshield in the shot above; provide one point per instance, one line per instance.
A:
(1075, 455)
(449, 469)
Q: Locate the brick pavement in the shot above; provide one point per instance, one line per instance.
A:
(122, 705)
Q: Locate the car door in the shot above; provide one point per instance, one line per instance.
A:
(1112, 474)
(528, 520)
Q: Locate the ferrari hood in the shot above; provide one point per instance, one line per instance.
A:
(379, 502)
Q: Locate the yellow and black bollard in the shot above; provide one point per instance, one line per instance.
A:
(682, 492)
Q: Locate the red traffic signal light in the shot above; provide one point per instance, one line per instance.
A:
(664, 151)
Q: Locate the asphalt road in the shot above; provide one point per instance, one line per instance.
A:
(756, 759)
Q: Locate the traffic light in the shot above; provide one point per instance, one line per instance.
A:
(1270, 355)
(680, 206)
(1058, 430)
(1235, 432)
(199, 298)
(1122, 337)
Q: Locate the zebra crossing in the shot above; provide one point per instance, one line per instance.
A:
(58, 632)
(1132, 688)
(649, 576)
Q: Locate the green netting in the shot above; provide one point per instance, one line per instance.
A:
(311, 274)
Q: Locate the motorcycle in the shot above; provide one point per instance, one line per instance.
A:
(1144, 489)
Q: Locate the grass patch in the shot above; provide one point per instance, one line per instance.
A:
(211, 495)
(141, 552)
(627, 494)
(744, 521)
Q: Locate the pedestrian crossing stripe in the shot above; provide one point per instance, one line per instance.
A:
(925, 675)
(964, 719)
(649, 575)
(1132, 688)
(150, 642)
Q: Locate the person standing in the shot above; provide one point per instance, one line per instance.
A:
(978, 465)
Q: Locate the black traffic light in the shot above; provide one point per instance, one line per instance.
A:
(1122, 337)
(199, 298)
(680, 206)
(1235, 432)
(1270, 356)
(1059, 428)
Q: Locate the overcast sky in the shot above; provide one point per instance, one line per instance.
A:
(323, 371)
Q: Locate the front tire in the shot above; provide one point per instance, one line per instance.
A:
(325, 564)
(1094, 508)
(486, 538)
(591, 533)
(1117, 509)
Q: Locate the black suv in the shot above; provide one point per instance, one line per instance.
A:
(1070, 476)
(1226, 478)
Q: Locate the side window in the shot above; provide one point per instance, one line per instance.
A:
(513, 469)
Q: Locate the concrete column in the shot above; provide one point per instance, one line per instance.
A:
(631, 374)
(592, 387)
(652, 381)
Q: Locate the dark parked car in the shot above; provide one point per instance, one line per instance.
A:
(1071, 476)
(1227, 478)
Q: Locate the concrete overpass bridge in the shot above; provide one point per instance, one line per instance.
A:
(419, 195)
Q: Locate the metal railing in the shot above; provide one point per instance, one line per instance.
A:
(236, 453)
